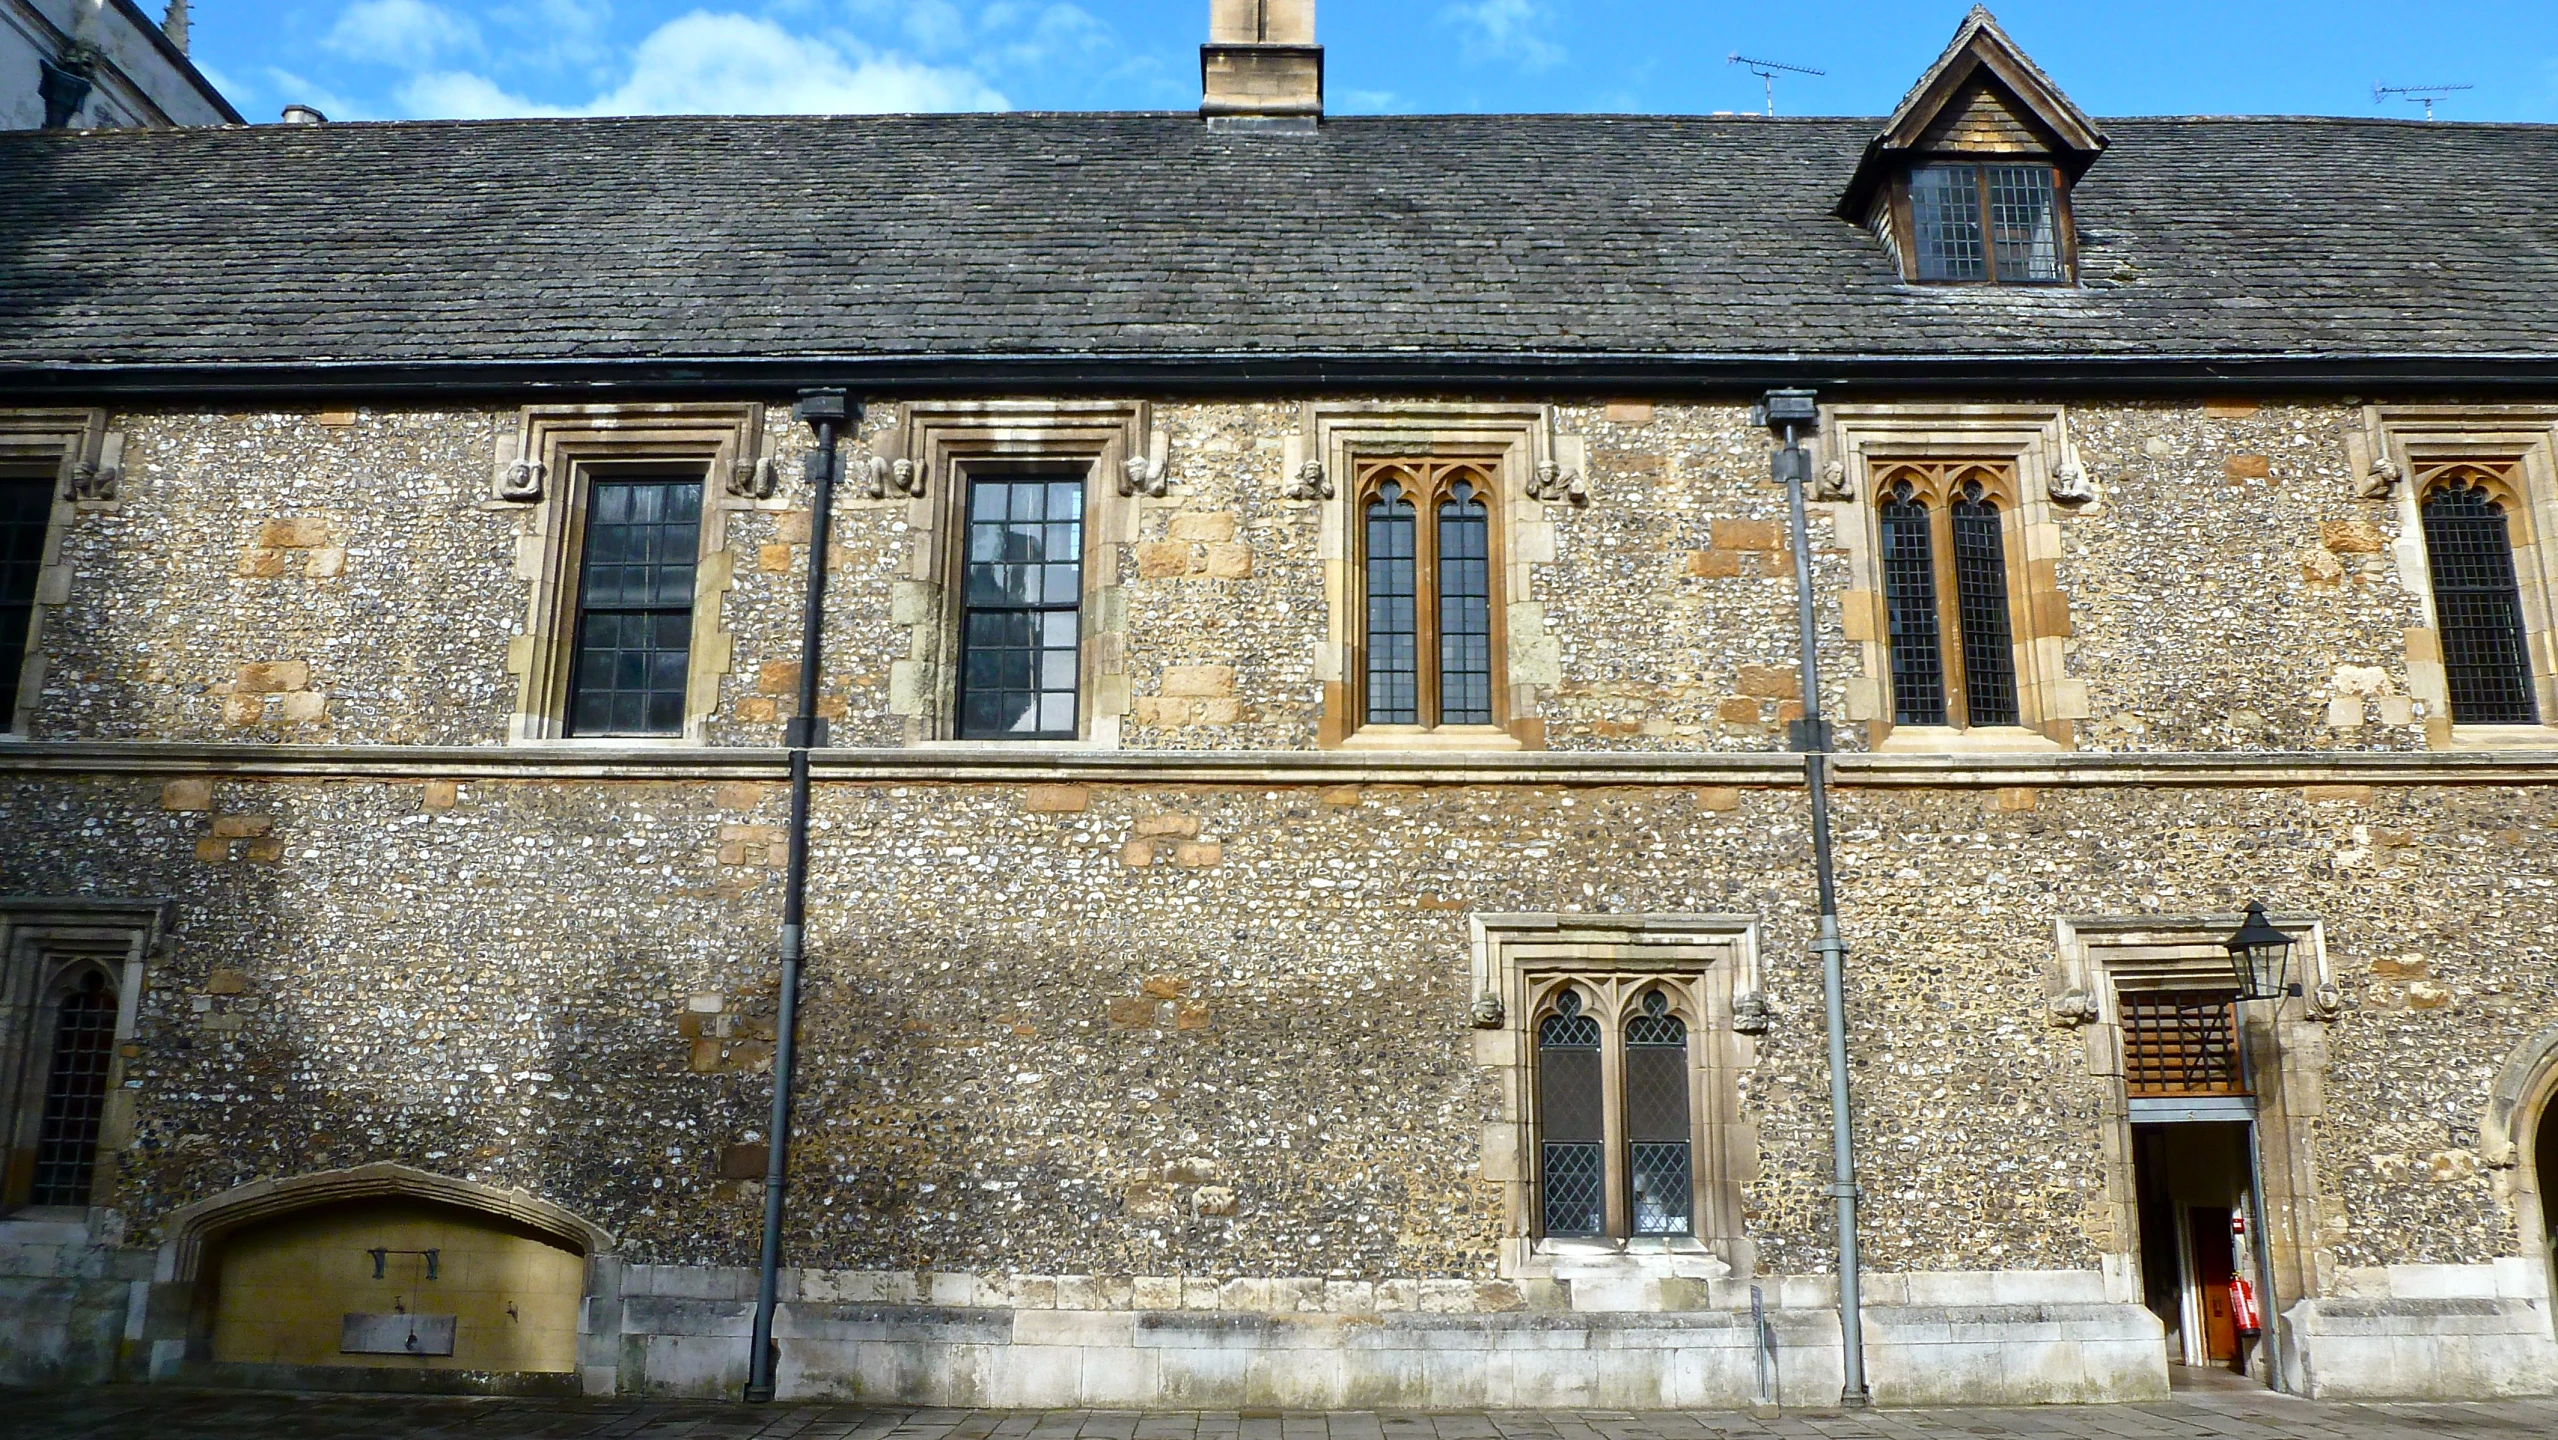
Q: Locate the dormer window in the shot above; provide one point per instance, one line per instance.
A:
(1969, 181)
(1997, 223)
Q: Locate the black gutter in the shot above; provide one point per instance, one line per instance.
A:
(833, 415)
(1548, 374)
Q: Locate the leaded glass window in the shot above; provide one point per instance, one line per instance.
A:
(26, 512)
(1980, 589)
(1659, 1140)
(1021, 628)
(1945, 220)
(75, 1093)
(1909, 594)
(2469, 552)
(1616, 1136)
(635, 605)
(1949, 621)
(1394, 609)
(1427, 563)
(1999, 223)
(1571, 1120)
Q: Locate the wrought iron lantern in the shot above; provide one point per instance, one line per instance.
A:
(2262, 956)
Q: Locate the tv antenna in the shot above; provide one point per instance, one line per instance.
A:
(2424, 95)
(1767, 70)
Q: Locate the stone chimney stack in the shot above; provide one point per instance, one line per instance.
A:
(1261, 66)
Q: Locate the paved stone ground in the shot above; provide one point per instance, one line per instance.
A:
(159, 1413)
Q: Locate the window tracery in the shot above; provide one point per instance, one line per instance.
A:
(2468, 512)
(1616, 1107)
(1426, 562)
(1950, 626)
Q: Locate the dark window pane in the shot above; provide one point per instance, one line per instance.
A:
(1394, 635)
(75, 1094)
(2024, 223)
(1569, 1172)
(1570, 1120)
(2478, 608)
(635, 606)
(1909, 598)
(1945, 222)
(26, 509)
(1656, 1118)
(1980, 596)
(1021, 627)
(1465, 608)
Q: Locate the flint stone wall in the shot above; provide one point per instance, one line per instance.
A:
(340, 577)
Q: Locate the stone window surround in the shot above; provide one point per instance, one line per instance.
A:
(2093, 955)
(1515, 442)
(944, 442)
(1710, 962)
(2412, 437)
(85, 457)
(45, 945)
(543, 468)
(2034, 440)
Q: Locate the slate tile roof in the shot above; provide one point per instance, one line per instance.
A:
(1151, 235)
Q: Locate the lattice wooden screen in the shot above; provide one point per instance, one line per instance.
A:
(2179, 1042)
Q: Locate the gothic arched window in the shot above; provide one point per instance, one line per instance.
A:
(1615, 1113)
(2469, 555)
(1660, 1142)
(1426, 563)
(1571, 1120)
(75, 1092)
(1944, 556)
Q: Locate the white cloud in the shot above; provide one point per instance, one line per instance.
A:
(705, 64)
(405, 34)
(1504, 29)
(726, 64)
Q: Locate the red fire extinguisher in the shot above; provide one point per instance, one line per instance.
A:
(2242, 1305)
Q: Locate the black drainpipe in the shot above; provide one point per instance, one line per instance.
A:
(833, 413)
(1788, 412)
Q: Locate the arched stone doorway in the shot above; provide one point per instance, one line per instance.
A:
(2519, 1135)
(381, 1277)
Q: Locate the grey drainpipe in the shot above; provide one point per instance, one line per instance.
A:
(1788, 411)
(832, 413)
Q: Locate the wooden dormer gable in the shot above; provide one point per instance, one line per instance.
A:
(1982, 97)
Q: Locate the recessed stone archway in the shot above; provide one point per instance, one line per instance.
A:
(2518, 1139)
(252, 1283)
(191, 1229)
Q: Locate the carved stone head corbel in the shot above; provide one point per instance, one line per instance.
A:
(1554, 484)
(1751, 1013)
(1144, 475)
(522, 481)
(2381, 478)
(2073, 1009)
(1488, 1012)
(752, 479)
(1310, 482)
(2070, 485)
(870, 473)
(1833, 484)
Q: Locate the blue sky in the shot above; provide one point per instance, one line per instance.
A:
(386, 59)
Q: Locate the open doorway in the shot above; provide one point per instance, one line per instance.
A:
(2192, 1181)
(2544, 1170)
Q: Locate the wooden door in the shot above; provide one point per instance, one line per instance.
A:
(2207, 1240)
